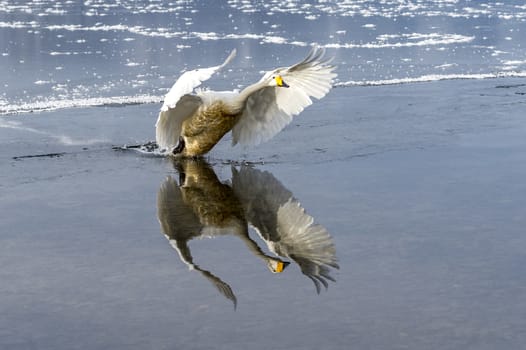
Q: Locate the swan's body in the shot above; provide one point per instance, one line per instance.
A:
(192, 122)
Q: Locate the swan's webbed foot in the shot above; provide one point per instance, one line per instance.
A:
(180, 146)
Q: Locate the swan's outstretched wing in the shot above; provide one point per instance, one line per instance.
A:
(190, 80)
(178, 105)
(170, 121)
(270, 109)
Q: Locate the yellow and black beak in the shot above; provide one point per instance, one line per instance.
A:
(280, 82)
(277, 266)
(280, 267)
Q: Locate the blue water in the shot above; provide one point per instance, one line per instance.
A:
(414, 166)
(57, 54)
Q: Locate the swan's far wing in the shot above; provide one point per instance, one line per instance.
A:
(188, 81)
(170, 121)
(178, 104)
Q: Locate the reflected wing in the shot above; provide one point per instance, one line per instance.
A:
(283, 223)
(178, 221)
(307, 243)
(261, 195)
(270, 109)
(223, 287)
(174, 110)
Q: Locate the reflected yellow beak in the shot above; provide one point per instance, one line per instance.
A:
(279, 267)
(280, 82)
(276, 265)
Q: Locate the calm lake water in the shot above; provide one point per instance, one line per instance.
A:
(409, 174)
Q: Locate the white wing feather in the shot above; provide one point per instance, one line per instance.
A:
(168, 125)
(270, 109)
(170, 121)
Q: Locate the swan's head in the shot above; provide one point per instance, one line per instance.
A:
(278, 80)
(275, 79)
(276, 265)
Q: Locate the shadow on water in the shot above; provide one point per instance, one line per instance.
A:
(199, 205)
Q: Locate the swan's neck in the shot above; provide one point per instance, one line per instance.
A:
(238, 104)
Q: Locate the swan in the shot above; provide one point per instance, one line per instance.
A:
(192, 121)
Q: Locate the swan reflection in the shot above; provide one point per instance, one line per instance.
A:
(200, 205)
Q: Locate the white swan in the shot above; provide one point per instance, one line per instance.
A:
(192, 122)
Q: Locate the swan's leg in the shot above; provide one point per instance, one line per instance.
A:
(182, 178)
(180, 146)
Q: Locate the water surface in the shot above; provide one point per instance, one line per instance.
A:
(415, 177)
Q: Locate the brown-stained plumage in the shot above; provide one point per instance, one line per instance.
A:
(211, 200)
(206, 127)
